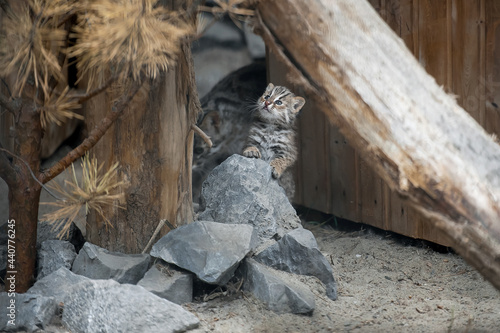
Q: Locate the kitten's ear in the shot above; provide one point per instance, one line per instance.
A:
(297, 104)
(270, 87)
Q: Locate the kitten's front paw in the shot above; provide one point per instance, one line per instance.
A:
(251, 152)
(275, 173)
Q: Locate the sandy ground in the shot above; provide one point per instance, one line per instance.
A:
(387, 283)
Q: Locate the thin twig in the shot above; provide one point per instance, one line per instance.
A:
(97, 91)
(202, 134)
(31, 172)
(158, 228)
(94, 136)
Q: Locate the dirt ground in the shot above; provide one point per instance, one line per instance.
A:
(386, 283)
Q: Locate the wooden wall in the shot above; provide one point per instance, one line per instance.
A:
(458, 42)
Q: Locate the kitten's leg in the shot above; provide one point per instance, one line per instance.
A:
(252, 151)
(279, 165)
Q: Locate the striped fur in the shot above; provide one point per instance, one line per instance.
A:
(226, 119)
(272, 135)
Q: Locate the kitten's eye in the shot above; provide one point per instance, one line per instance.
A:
(266, 97)
(278, 102)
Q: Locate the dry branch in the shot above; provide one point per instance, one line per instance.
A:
(411, 132)
(94, 136)
(202, 135)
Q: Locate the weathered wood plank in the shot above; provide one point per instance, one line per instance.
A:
(468, 56)
(491, 79)
(413, 134)
(344, 178)
(433, 42)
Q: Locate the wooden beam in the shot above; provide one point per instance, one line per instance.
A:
(409, 130)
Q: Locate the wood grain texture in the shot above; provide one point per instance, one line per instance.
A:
(399, 119)
(153, 142)
(491, 78)
(455, 42)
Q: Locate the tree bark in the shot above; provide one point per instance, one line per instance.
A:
(153, 142)
(412, 133)
(24, 197)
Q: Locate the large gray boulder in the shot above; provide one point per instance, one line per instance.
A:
(210, 250)
(282, 295)
(97, 263)
(107, 306)
(297, 252)
(167, 282)
(25, 312)
(54, 254)
(57, 284)
(242, 190)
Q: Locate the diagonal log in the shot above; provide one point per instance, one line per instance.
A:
(412, 133)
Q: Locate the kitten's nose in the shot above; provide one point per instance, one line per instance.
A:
(267, 102)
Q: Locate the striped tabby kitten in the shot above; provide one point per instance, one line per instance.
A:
(272, 134)
(226, 119)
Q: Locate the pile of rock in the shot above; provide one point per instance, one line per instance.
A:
(247, 232)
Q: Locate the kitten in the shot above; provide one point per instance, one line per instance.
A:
(226, 119)
(272, 134)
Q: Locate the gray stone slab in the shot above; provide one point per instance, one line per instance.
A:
(297, 252)
(54, 254)
(97, 263)
(57, 284)
(210, 250)
(167, 282)
(25, 312)
(281, 294)
(242, 190)
(106, 306)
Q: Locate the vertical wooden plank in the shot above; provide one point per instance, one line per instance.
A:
(344, 178)
(492, 67)
(371, 195)
(397, 214)
(467, 57)
(314, 151)
(433, 39)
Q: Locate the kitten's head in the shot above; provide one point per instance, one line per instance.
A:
(279, 105)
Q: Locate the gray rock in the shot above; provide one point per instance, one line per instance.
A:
(106, 306)
(46, 231)
(282, 295)
(242, 190)
(54, 254)
(297, 252)
(57, 284)
(210, 250)
(25, 312)
(97, 263)
(169, 283)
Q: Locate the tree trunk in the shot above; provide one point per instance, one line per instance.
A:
(153, 143)
(24, 196)
(411, 132)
